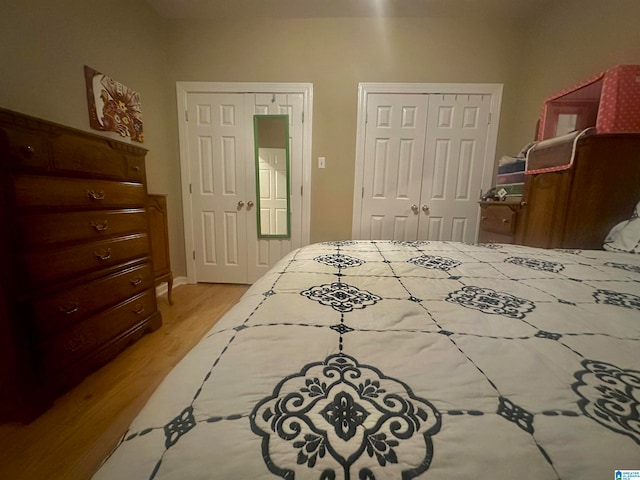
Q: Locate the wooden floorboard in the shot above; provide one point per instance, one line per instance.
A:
(70, 440)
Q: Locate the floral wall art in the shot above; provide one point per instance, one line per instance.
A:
(113, 107)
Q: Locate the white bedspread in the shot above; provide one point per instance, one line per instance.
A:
(388, 360)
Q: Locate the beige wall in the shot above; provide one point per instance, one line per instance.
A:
(45, 44)
(567, 45)
(335, 55)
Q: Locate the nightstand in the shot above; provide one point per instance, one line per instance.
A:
(499, 221)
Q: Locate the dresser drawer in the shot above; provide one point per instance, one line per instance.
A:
(95, 156)
(50, 228)
(69, 346)
(73, 344)
(498, 219)
(130, 314)
(492, 237)
(61, 310)
(135, 169)
(48, 265)
(25, 148)
(40, 191)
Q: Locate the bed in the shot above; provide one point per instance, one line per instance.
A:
(399, 360)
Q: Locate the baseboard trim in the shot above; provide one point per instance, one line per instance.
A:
(163, 288)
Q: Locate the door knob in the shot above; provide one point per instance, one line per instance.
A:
(249, 204)
(240, 204)
(414, 207)
(425, 209)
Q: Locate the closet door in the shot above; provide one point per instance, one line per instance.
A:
(424, 161)
(454, 162)
(217, 156)
(394, 151)
(265, 252)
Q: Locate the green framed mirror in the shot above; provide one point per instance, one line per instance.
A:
(271, 137)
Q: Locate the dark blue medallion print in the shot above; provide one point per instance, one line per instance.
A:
(336, 414)
(340, 243)
(339, 260)
(418, 243)
(624, 266)
(342, 297)
(345, 415)
(489, 301)
(177, 427)
(515, 414)
(611, 396)
(619, 299)
(434, 262)
(536, 264)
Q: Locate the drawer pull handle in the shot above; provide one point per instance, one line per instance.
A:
(138, 309)
(29, 150)
(100, 225)
(484, 217)
(136, 168)
(75, 344)
(103, 254)
(93, 195)
(504, 220)
(137, 280)
(69, 307)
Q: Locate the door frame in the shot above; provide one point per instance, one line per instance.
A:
(365, 89)
(185, 88)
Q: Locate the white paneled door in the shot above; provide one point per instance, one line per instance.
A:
(395, 134)
(272, 175)
(265, 252)
(457, 127)
(218, 161)
(423, 160)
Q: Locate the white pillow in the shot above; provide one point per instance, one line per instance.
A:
(625, 236)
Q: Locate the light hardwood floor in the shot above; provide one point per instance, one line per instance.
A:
(70, 440)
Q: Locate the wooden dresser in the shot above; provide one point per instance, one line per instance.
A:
(576, 208)
(77, 280)
(498, 221)
(572, 208)
(159, 235)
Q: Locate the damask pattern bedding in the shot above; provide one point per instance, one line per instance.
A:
(398, 360)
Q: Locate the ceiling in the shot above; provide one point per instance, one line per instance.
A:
(199, 9)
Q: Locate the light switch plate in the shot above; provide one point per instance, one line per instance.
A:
(321, 162)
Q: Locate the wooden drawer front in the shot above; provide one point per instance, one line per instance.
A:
(69, 346)
(25, 148)
(84, 338)
(87, 155)
(157, 211)
(38, 191)
(59, 311)
(49, 265)
(135, 169)
(130, 313)
(499, 219)
(44, 229)
(492, 237)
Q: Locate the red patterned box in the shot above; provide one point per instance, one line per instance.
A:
(608, 101)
